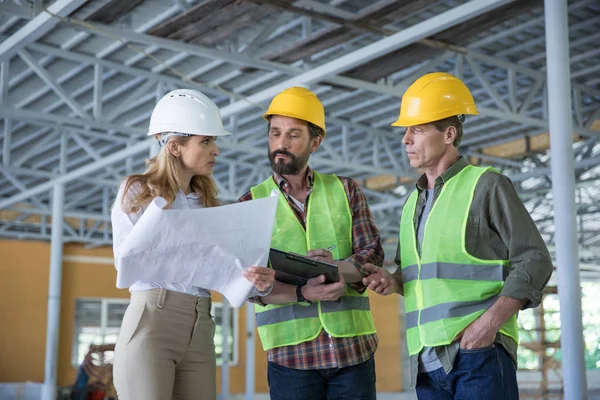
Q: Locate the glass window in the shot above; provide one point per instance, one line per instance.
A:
(535, 348)
(217, 312)
(97, 321)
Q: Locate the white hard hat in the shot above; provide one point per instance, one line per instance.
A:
(186, 111)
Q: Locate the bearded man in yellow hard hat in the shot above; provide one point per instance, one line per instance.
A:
(469, 255)
(320, 337)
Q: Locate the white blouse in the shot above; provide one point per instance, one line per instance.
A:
(122, 224)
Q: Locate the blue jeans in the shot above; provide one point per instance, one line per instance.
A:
(488, 373)
(356, 382)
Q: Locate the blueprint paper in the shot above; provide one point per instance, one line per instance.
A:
(205, 247)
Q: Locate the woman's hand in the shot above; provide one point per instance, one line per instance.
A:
(262, 278)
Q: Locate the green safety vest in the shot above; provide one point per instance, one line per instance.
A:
(328, 223)
(447, 288)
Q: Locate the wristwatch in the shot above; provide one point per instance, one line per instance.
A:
(301, 300)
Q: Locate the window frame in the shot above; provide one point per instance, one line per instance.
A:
(234, 361)
(104, 303)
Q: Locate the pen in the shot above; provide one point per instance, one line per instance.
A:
(331, 247)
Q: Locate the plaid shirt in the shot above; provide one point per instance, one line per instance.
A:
(326, 351)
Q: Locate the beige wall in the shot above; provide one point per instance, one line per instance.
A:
(24, 268)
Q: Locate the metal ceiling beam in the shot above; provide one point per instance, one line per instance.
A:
(500, 63)
(49, 175)
(81, 36)
(21, 187)
(52, 83)
(507, 32)
(426, 28)
(79, 124)
(66, 121)
(143, 146)
(263, 35)
(37, 27)
(67, 214)
(19, 11)
(513, 117)
(377, 49)
(69, 176)
(529, 121)
(41, 144)
(403, 38)
(66, 238)
(75, 56)
(233, 58)
(582, 164)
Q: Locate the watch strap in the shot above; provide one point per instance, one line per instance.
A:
(300, 297)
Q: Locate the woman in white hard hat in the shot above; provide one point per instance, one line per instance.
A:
(165, 348)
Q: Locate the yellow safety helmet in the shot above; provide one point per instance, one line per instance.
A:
(298, 102)
(433, 97)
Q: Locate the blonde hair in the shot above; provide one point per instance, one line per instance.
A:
(160, 179)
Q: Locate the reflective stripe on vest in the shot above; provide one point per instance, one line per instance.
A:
(447, 310)
(297, 311)
(445, 287)
(328, 222)
(466, 272)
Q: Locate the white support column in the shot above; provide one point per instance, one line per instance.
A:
(4, 86)
(105, 211)
(53, 323)
(225, 327)
(250, 353)
(98, 91)
(563, 189)
(4, 81)
(6, 142)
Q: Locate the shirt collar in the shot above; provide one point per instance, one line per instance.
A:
(192, 195)
(285, 186)
(445, 176)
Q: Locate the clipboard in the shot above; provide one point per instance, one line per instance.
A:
(296, 269)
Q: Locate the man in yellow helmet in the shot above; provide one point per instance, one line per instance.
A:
(469, 255)
(320, 338)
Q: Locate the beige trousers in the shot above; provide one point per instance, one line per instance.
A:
(165, 348)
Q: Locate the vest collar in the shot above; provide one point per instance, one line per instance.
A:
(284, 186)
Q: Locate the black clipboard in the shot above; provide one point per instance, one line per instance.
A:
(296, 269)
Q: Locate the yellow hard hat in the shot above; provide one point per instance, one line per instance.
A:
(298, 102)
(433, 97)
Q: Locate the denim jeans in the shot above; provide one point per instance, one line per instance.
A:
(488, 373)
(356, 382)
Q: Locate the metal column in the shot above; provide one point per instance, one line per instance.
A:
(225, 327)
(53, 323)
(563, 192)
(250, 353)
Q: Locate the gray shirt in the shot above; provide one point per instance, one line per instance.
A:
(428, 359)
(498, 227)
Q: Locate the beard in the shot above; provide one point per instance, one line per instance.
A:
(295, 164)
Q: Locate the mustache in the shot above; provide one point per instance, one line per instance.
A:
(282, 152)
